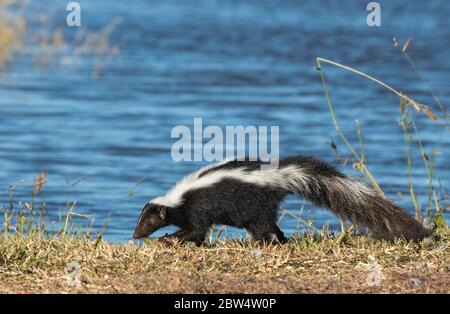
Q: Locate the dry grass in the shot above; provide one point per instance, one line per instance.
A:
(33, 261)
(12, 31)
(47, 45)
(312, 265)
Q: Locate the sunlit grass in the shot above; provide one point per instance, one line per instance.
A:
(307, 264)
(412, 137)
(35, 258)
(12, 31)
(48, 45)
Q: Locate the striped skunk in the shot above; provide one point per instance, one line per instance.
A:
(242, 194)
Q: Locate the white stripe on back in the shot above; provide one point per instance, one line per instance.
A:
(290, 178)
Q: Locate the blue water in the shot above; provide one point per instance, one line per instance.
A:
(106, 118)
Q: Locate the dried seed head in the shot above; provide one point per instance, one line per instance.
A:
(39, 182)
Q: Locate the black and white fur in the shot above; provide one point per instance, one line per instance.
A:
(245, 195)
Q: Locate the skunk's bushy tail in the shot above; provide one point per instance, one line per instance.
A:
(349, 198)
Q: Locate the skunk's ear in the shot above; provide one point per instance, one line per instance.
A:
(162, 212)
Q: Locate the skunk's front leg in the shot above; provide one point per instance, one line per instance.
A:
(179, 235)
(184, 235)
(198, 237)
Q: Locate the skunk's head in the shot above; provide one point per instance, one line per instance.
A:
(153, 217)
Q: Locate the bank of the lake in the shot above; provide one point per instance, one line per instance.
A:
(311, 265)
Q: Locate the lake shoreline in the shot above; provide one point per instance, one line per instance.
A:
(356, 264)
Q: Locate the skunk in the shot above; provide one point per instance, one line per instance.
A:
(246, 195)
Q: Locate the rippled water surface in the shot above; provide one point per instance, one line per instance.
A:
(105, 119)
